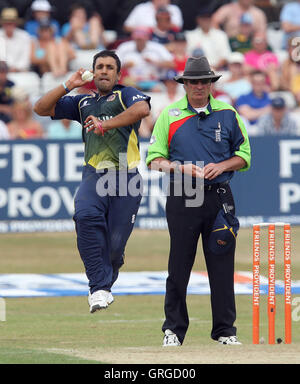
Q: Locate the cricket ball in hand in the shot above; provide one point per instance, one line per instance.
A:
(87, 76)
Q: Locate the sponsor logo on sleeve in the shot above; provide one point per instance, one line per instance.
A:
(138, 97)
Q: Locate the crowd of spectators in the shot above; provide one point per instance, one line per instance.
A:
(259, 59)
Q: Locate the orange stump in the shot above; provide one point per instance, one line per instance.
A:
(287, 284)
(256, 282)
(271, 282)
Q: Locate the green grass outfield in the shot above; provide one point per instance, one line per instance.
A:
(61, 330)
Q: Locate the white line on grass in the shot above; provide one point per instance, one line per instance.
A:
(196, 320)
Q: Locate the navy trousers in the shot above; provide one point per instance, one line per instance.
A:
(105, 211)
(185, 225)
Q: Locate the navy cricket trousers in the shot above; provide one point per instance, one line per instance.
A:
(186, 224)
(105, 212)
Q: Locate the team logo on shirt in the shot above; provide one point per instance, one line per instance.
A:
(111, 97)
(85, 104)
(218, 133)
(175, 112)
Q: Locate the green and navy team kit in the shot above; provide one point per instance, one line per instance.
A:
(181, 134)
(102, 151)
(104, 222)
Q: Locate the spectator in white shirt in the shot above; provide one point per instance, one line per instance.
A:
(172, 92)
(16, 42)
(144, 15)
(278, 121)
(4, 134)
(144, 60)
(213, 42)
(237, 83)
(290, 21)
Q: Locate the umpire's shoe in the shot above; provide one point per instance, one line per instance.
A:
(170, 339)
(99, 300)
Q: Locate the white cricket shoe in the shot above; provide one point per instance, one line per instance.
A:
(99, 300)
(170, 339)
(229, 340)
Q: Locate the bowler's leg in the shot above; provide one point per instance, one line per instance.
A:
(92, 234)
(121, 218)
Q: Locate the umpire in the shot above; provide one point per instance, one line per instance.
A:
(193, 129)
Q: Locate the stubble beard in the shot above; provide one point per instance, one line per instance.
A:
(104, 88)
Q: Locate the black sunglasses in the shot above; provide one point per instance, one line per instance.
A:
(201, 81)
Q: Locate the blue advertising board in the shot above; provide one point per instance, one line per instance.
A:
(39, 180)
(270, 190)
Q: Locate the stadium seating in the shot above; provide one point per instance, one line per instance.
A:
(48, 81)
(84, 59)
(29, 81)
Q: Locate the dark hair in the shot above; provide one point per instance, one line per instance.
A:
(108, 53)
(3, 66)
(76, 6)
(257, 72)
